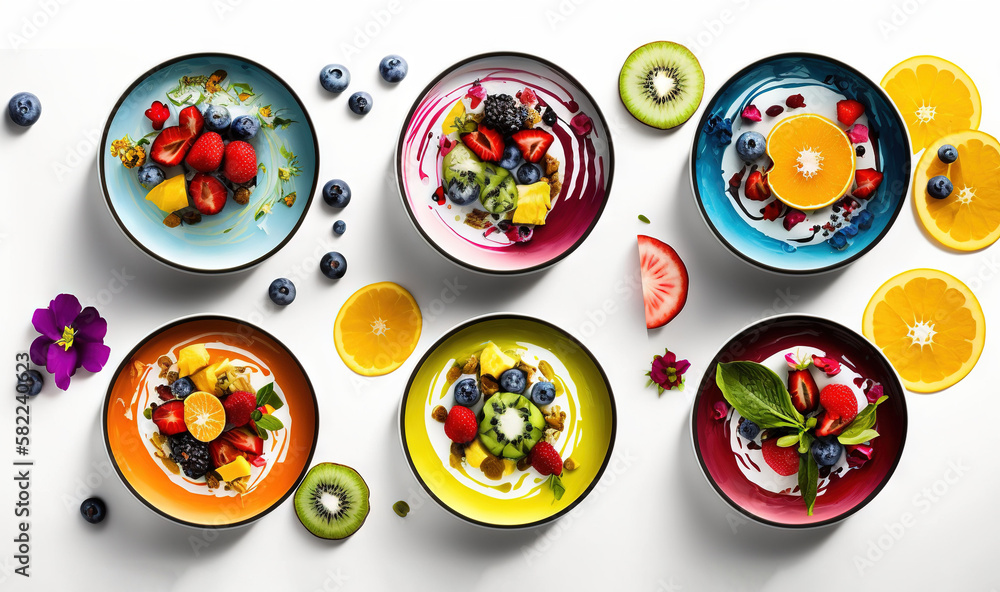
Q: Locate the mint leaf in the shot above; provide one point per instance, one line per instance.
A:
(808, 480)
(789, 440)
(555, 484)
(256, 414)
(758, 394)
(805, 441)
(864, 421)
(269, 423)
(858, 438)
(643, 219)
(267, 396)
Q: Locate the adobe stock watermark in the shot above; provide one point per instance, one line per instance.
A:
(987, 271)
(668, 585)
(599, 316)
(28, 27)
(713, 28)
(84, 487)
(899, 15)
(77, 153)
(365, 33)
(334, 581)
(120, 279)
(560, 12)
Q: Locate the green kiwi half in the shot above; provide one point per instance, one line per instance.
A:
(332, 501)
(661, 84)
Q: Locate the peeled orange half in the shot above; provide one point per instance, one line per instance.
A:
(930, 326)
(204, 416)
(935, 97)
(813, 161)
(969, 218)
(377, 329)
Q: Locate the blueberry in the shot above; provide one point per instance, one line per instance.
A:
(244, 128)
(750, 146)
(513, 380)
(24, 109)
(939, 187)
(749, 429)
(281, 291)
(360, 103)
(466, 392)
(32, 382)
(393, 68)
(543, 393)
(826, 452)
(182, 387)
(150, 175)
(511, 157)
(948, 154)
(462, 194)
(334, 78)
(850, 229)
(217, 118)
(528, 173)
(333, 265)
(339, 227)
(549, 117)
(860, 151)
(93, 510)
(864, 219)
(337, 193)
(838, 241)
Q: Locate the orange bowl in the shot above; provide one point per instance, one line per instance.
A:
(149, 479)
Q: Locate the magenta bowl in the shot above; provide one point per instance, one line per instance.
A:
(848, 491)
(585, 151)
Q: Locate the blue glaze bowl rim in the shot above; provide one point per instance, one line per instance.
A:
(696, 193)
(107, 194)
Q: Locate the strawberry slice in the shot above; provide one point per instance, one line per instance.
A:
(533, 143)
(664, 281)
(848, 111)
(171, 145)
(208, 194)
(486, 143)
(757, 187)
(244, 439)
(190, 119)
(169, 418)
(157, 114)
(222, 452)
(867, 181)
(804, 390)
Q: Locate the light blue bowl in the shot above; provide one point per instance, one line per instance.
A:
(795, 71)
(240, 236)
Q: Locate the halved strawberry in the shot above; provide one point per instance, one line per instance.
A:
(804, 390)
(533, 143)
(244, 439)
(664, 281)
(757, 187)
(208, 194)
(849, 110)
(206, 153)
(171, 145)
(169, 418)
(222, 452)
(486, 143)
(840, 407)
(867, 181)
(191, 120)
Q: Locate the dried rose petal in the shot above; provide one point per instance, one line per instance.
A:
(528, 98)
(795, 101)
(750, 113)
(858, 455)
(477, 93)
(719, 411)
(737, 178)
(771, 211)
(792, 218)
(581, 124)
(774, 110)
(828, 365)
(874, 393)
(858, 134)
(446, 145)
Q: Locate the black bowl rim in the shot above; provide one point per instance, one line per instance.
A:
(402, 187)
(107, 194)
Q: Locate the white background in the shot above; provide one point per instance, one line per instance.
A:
(653, 524)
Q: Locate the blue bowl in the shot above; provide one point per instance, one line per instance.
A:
(793, 72)
(240, 236)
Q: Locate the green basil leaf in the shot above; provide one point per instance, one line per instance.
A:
(758, 394)
(256, 414)
(808, 481)
(858, 438)
(267, 396)
(789, 440)
(864, 421)
(269, 423)
(555, 484)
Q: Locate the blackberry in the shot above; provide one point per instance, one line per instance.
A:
(504, 114)
(191, 454)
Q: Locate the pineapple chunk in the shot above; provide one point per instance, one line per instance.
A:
(234, 470)
(192, 359)
(533, 203)
(208, 378)
(475, 454)
(493, 361)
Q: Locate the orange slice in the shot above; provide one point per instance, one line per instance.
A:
(930, 326)
(377, 329)
(204, 416)
(813, 161)
(969, 218)
(935, 97)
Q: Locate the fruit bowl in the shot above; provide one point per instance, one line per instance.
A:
(740, 471)
(145, 466)
(825, 235)
(479, 234)
(521, 496)
(243, 234)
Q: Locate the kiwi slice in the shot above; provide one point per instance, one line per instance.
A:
(511, 425)
(661, 84)
(332, 501)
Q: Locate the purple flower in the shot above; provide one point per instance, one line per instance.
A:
(71, 337)
(667, 372)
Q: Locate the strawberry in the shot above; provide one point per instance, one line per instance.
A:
(206, 153)
(784, 461)
(866, 181)
(169, 418)
(840, 407)
(157, 113)
(757, 188)
(848, 111)
(170, 146)
(190, 119)
(241, 162)
(208, 194)
(486, 143)
(545, 459)
(222, 452)
(533, 143)
(804, 391)
(239, 406)
(461, 425)
(244, 439)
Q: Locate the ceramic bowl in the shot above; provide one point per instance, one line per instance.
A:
(128, 434)
(735, 468)
(523, 498)
(240, 236)
(587, 165)
(738, 222)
